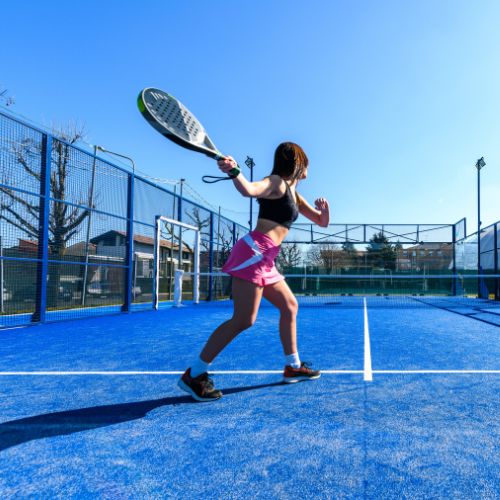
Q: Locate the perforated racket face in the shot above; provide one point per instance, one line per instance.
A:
(172, 118)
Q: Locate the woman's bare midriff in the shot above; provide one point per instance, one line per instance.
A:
(274, 230)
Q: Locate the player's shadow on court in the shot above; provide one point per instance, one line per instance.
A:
(63, 423)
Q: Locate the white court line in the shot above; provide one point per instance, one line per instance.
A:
(131, 373)
(438, 372)
(367, 373)
(241, 372)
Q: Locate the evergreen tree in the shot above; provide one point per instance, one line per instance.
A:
(350, 255)
(380, 253)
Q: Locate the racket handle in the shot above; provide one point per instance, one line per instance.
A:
(234, 172)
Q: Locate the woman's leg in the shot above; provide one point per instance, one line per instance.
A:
(280, 295)
(195, 381)
(246, 299)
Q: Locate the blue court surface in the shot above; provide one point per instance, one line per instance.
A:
(407, 407)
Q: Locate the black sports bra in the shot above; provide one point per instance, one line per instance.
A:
(282, 210)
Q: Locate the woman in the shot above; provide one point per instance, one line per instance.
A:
(251, 264)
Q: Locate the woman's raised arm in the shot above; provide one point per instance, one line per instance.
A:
(258, 189)
(319, 215)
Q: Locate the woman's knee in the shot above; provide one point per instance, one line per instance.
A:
(291, 308)
(243, 323)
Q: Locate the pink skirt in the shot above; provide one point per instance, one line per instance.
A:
(252, 259)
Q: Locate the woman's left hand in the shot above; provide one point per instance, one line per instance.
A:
(324, 209)
(321, 204)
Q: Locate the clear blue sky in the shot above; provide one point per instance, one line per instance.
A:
(393, 101)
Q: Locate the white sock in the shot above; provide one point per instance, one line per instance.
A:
(293, 360)
(199, 367)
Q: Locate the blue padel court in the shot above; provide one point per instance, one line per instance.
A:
(407, 406)
(334, 183)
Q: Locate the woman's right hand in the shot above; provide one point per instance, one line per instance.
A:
(227, 164)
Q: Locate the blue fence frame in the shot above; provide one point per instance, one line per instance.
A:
(33, 306)
(50, 180)
(482, 259)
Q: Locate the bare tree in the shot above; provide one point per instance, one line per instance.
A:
(327, 256)
(290, 256)
(197, 220)
(224, 238)
(23, 212)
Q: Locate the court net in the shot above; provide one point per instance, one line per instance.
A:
(349, 290)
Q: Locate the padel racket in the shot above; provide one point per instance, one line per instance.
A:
(175, 122)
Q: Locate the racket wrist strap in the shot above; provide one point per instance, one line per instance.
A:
(212, 179)
(233, 173)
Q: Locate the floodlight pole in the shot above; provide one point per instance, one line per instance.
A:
(89, 223)
(250, 164)
(130, 245)
(479, 165)
(100, 148)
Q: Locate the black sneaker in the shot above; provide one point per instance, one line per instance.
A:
(292, 375)
(200, 388)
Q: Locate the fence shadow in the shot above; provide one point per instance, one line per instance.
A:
(15, 432)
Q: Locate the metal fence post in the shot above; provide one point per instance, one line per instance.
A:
(495, 260)
(129, 256)
(179, 218)
(211, 257)
(454, 260)
(1, 274)
(43, 232)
